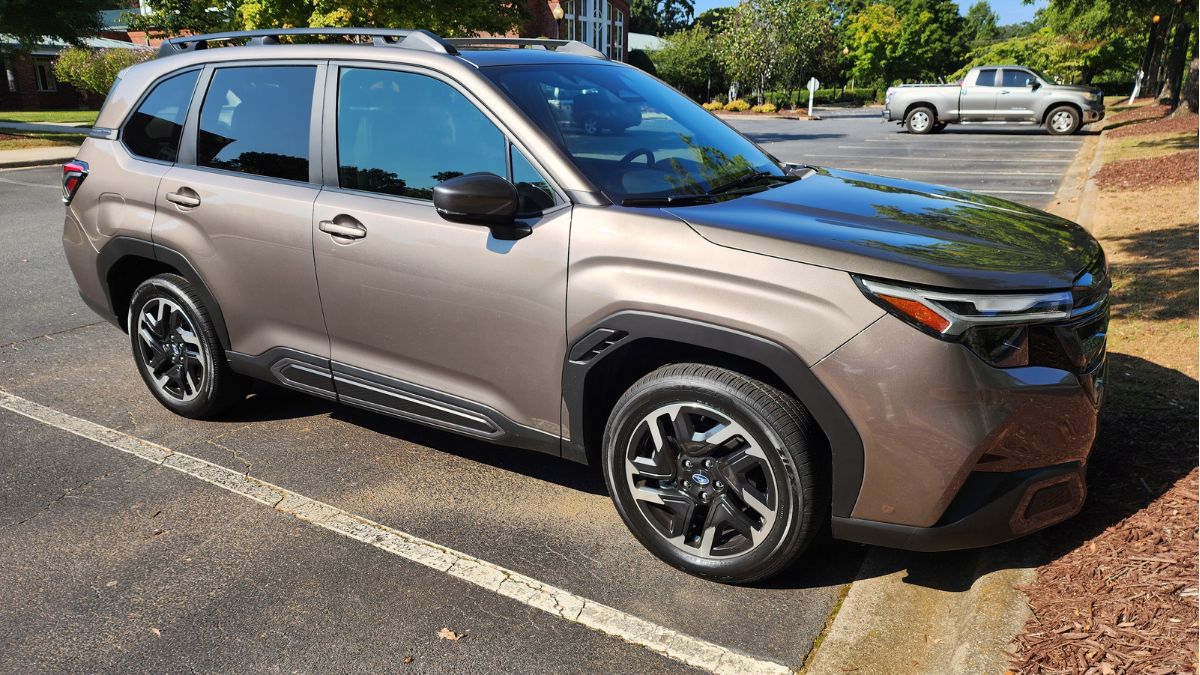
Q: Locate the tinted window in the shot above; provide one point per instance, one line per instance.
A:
(154, 129)
(630, 134)
(401, 134)
(534, 190)
(987, 78)
(256, 120)
(1016, 78)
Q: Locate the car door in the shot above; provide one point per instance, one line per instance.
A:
(977, 99)
(429, 319)
(238, 204)
(1015, 101)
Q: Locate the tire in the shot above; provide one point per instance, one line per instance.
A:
(1062, 121)
(920, 120)
(939, 127)
(762, 467)
(176, 350)
(590, 124)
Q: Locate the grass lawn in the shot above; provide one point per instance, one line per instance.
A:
(1155, 145)
(54, 116)
(37, 140)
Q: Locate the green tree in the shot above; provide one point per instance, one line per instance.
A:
(932, 40)
(660, 17)
(70, 20)
(173, 17)
(982, 24)
(94, 70)
(873, 36)
(714, 19)
(753, 45)
(444, 17)
(809, 45)
(688, 61)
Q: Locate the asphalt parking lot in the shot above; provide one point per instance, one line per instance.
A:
(1023, 164)
(108, 562)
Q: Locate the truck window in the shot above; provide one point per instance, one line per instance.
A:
(986, 78)
(1017, 78)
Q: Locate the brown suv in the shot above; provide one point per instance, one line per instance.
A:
(748, 349)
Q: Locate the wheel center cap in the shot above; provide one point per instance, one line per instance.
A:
(700, 479)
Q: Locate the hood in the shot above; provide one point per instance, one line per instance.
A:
(901, 230)
(1081, 88)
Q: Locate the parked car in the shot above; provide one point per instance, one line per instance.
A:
(596, 111)
(747, 350)
(995, 95)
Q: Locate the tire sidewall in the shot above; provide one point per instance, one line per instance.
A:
(1074, 117)
(167, 287)
(623, 422)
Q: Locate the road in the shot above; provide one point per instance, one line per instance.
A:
(1023, 164)
(108, 562)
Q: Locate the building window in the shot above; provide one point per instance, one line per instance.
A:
(596, 23)
(10, 75)
(43, 72)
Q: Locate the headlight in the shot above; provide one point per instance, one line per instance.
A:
(994, 326)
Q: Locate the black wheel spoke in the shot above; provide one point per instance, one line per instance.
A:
(170, 349)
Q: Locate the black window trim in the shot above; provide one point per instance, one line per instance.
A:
(997, 74)
(142, 99)
(330, 140)
(187, 145)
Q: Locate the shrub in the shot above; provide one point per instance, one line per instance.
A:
(766, 108)
(94, 70)
(737, 105)
(713, 105)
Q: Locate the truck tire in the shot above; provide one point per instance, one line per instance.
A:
(1062, 121)
(920, 120)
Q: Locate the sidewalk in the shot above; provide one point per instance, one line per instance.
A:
(25, 157)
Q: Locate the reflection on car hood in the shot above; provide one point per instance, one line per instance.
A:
(901, 230)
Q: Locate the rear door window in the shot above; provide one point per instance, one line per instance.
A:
(986, 78)
(154, 129)
(255, 120)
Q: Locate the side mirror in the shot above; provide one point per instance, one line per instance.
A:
(481, 199)
(1032, 84)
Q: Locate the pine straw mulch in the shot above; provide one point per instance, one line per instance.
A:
(1142, 112)
(1123, 602)
(1137, 174)
(1179, 122)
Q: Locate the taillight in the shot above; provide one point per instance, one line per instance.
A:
(74, 172)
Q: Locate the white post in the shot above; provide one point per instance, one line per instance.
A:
(1137, 87)
(813, 85)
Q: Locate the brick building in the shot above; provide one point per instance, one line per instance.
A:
(29, 82)
(603, 24)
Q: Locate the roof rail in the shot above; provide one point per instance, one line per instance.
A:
(408, 39)
(564, 46)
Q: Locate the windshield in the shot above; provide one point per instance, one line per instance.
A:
(632, 136)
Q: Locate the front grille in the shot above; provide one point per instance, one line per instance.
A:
(1076, 344)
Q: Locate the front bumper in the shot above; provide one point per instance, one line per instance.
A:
(992, 508)
(952, 447)
(1093, 114)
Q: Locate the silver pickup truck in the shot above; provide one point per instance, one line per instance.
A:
(994, 95)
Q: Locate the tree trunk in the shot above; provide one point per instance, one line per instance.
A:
(1176, 62)
(1190, 89)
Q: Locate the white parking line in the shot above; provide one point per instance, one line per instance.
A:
(1010, 192)
(1014, 140)
(957, 173)
(28, 184)
(971, 160)
(526, 590)
(868, 147)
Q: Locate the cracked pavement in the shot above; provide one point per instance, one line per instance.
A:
(232, 585)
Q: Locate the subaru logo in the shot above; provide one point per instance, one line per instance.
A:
(700, 479)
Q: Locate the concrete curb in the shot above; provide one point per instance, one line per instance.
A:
(30, 157)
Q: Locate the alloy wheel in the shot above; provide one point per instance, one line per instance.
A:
(702, 481)
(170, 349)
(1062, 121)
(919, 121)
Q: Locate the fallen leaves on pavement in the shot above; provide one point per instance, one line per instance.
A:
(447, 634)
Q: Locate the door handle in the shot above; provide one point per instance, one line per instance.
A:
(1004, 92)
(343, 226)
(184, 197)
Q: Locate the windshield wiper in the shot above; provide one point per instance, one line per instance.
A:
(669, 200)
(743, 180)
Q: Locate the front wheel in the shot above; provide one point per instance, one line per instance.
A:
(177, 352)
(920, 120)
(714, 472)
(1062, 121)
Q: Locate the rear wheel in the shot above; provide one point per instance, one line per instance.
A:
(590, 125)
(177, 351)
(713, 472)
(920, 120)
(1062, 121)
